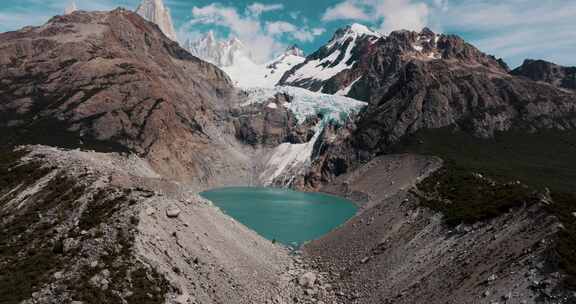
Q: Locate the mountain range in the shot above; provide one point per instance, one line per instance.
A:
(236, 60)
(462, 169)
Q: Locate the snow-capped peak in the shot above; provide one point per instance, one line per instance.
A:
(353, 31)
(71, 7)
(362, 30)
(222, 53)
(155, 11)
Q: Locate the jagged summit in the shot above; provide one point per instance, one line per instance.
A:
(295, 51)
(155, 11)
(352, 31)
(222, 53)
(71, 7)
(344, 62)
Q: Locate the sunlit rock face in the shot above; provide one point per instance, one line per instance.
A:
(155, 11)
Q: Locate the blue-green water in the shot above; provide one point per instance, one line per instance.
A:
(286, 216)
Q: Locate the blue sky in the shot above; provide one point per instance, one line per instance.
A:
(512, 29)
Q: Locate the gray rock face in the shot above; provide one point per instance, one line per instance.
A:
(269, 124)
(540, 70)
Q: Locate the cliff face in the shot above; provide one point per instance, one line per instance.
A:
(113, 81)
(540, 70)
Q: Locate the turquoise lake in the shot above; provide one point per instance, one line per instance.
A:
(289, 217)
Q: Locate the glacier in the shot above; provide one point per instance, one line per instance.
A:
(288, 160)
(305, 103)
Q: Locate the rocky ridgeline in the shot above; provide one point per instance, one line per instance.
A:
(540, 70)
(420, 81)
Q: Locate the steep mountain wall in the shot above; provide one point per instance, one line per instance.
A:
(113, 81)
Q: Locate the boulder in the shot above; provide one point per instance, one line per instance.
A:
(150, 211)
(307, 280)
(172, 212)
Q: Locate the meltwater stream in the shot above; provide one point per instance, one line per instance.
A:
(286, 216)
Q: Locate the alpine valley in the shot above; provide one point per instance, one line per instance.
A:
(463, 170)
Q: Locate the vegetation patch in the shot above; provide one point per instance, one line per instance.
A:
(100, 208)
(542, 160)
(564, 208)
(465, 197)
(30, 249)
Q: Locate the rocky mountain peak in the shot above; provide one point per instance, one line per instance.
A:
(294, 50)
(540, 70)
(352, 31)
(155, 12)
(110, 77)
(222, 53)
(71, 7)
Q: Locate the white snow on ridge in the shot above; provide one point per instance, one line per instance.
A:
(289, 160)
(354, 31)
(315, 68)
(321, 69)
(346, 90)
(307, 104)
(247, 74)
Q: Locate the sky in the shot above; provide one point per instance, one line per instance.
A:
(509, 29)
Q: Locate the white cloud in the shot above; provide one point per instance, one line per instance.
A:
(303, 34)
(347, 10)
(389, 14)
(280, 27)
(257, 8)
(318, 31)
(401, 14)
(265, 39)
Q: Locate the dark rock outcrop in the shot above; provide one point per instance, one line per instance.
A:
(269, 124)
(540, 70)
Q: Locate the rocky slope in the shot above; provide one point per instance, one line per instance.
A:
(114, 81)
(105, 228)
(396, 251)
(540, 70)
